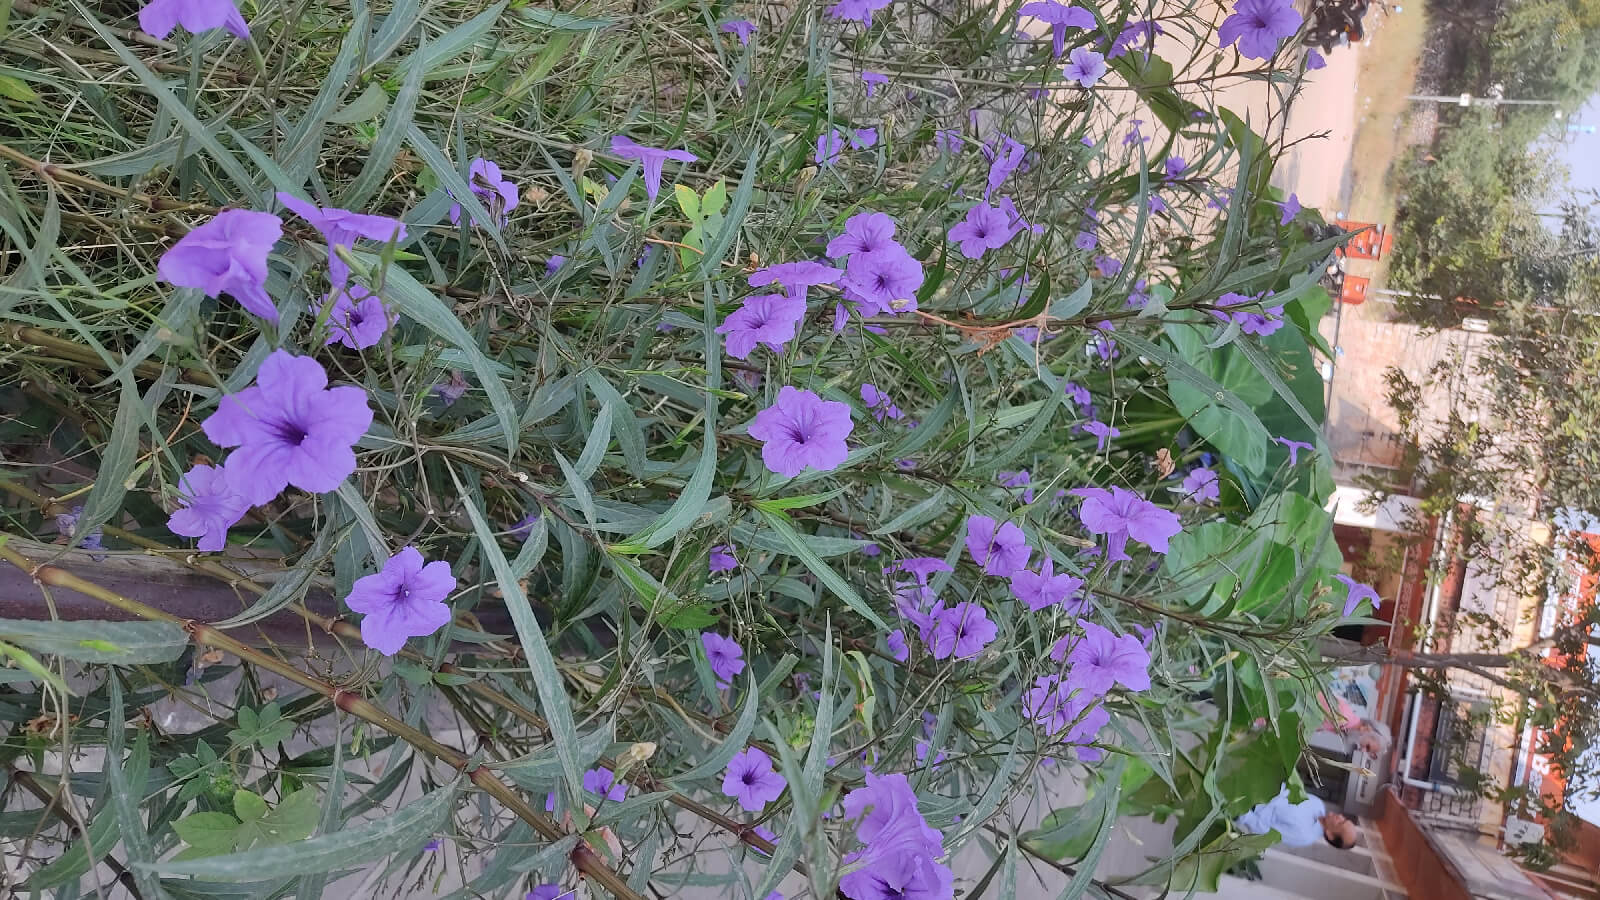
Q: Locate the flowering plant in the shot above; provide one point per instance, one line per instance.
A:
(460, 512)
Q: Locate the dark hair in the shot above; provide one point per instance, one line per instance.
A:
(1337, 841)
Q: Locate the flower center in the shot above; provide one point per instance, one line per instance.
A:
(749, 778)
(290, 433)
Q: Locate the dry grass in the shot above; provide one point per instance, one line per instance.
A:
(1388, 72)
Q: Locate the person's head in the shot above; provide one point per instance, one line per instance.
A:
(1340, 830)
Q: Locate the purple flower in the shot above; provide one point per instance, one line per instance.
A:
(722, 559)
(1314, 61)
(554, 263)
(864, 138)
(1121, 514)
(498, 194)
(522, 529)
(769, 319)
(999, 549)
(802, 430)
(1258, 26)
(1057, 706)
(872, 80)
(864, 232)
(986, 228)
(885, 279)
(403, 600)
(159, 17)
(1101, 659)
(829, 145)
(1003, 160)
(549, 892)
(651, 159)
(1294, 448)
(453, 389)
(1060, 17)
(795, 277)
(1078, 395)
(1107, 266)
(209, 507)
(896, 642)
(920, 568)
(1102, 433)
(358, 318)
(1357, 592)
(290, 428)
(342, 228)
(879, 403)
(1139, 295)
(601, 780)
(724, 654)
(1288, 209)
(1173, 168)
(1200, 485)
(1044, 589)
(947, 140)
(743, 28)
(432, 846)
(1133, 32)
(227, 255)
(1019, 479)
(856, 10)
(1016, 222)
(962, 630)
(1086, 240)
(1086, 67)
(751, 780)
(899, 858)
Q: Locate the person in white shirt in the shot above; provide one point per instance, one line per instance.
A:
(1300, 824)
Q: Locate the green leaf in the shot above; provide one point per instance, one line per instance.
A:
(825, 574)
(460, 191)
(403, 832)
(386, 144)
(456, 40)
(718, 759)
(119, 643)
(30, 666)
(419, 303)
(125, 788)
(551, 689)
(266, 729)
(248, 806)
(13, 88)
(116, 463)
(369, 105)
(718, 246)
(292, 586)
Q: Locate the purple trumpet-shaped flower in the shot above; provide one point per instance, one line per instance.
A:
(724, 654)
(1018, 479)
(722, 559)
(1200, 485)
(342, 228)
(1288, 209)
(896, 644)
(1078, 395)
(801, 431)
(601, 780)
(1085, 66)
(403, 600)
(1258, 26)
(358, 318)
(498, 194)
(1044, 589)
(651, 159)
(856, 10)
(1121, 515)
(769, 319)
(883, 280)
(864, 232)
(1314, 61)
(962, 631)
(290, 428)
(1003, 160)
(879, 403)
(1101, 660)
(1102, 433)
(209, 507)
(1357, 592)
(1294, 448)
(796, 277)
(1060, 17)
(740, 28)
(830, 144)
(227, 255)
(873, 80)
(986, 228)
(1134, 31)
(1000, 549)
(864, 138)
(549, 891)
(159, 17)
(752, 781)
(899, 855)
(920, 568)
